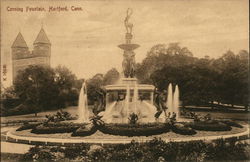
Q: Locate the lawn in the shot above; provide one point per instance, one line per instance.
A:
(40, 116)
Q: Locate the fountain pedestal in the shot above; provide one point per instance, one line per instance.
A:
(129, 81)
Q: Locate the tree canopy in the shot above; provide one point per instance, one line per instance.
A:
(41, 88)
(201, 80)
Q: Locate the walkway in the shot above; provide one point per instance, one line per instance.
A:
(17, 148)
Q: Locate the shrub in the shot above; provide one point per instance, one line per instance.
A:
(135, 129)
(59, 116)
(10, 103)
(209, 126)
(28, 126)
(73, 152)
(228, 151)
(97, 153)
(182, 129)
(19, 110)
(153, 150)
(38, 154)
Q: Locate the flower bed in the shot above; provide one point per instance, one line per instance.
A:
(134, 130)
(49, 128)
(63, 124)
(28, 126)
(231, 123)
(209, 126)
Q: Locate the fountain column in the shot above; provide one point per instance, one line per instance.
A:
(128, 63)
(152, 98)
(107, 100)
(176, 103)
(170, 100)
(83, 111)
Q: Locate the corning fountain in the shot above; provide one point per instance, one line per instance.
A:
(129, 97)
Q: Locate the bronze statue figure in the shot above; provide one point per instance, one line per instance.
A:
(128, 25)
(128, 64)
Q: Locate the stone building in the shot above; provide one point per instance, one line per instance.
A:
(22, 57)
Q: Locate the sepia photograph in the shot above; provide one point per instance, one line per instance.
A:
(124, 80)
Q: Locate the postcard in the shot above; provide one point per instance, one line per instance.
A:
(121, 80)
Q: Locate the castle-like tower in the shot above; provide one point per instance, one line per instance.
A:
(22, 57)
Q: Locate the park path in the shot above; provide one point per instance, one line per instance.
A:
(8, 147)
(17, 148)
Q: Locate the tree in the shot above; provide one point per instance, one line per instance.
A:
(161, 55)
(94, 87)
(233, 78)
(8, 92)
(201, 80)
(111, 77)
(65, 81)
(243, 55)
(35, 87)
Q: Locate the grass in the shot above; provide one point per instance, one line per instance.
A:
(40, 116)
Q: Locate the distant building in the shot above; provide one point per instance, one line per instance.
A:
(22, 57)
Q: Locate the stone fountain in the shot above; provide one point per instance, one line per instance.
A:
(129, 97)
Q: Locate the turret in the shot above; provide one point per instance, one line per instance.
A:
(19, 48)
(42, 45)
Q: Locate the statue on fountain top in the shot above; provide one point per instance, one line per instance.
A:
(128, 25)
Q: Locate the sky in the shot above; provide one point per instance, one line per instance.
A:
(86, 41)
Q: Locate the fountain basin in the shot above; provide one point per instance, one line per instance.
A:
(113, 91)
(128, 47)
(127, 98)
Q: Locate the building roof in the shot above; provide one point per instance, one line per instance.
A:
(42, 37)
(19, 41)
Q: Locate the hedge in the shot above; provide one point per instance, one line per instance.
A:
(85, 131)
(18, 110)
(209, 126)
(55, 128)
(28, 126)
(134, 130)
(231, 123)
(22, 121)
(64, 124)
(182, 129)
